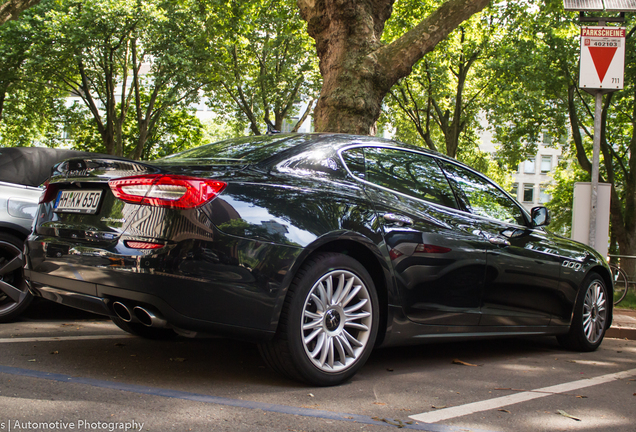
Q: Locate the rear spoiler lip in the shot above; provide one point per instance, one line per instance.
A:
(92, 169)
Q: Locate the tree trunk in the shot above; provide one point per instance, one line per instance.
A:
(357, 69)
(11, 9)
(3, 95)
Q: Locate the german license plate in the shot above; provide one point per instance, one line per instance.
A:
(78, 201)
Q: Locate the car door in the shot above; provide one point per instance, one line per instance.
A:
(522, 280)
(439, 261)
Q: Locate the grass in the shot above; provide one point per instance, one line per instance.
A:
(629, 302)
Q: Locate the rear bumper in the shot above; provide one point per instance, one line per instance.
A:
(104, 306)
(194, 285)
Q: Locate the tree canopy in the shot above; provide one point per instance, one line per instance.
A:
(265, 63)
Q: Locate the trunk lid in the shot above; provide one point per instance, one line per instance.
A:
(78, 203)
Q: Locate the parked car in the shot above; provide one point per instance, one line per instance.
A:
(318, 247)
(22, 171)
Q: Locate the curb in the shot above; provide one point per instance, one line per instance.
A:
(621, 333)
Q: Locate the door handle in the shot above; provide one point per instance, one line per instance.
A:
(499, 241)
(493, 239)
(397, 219)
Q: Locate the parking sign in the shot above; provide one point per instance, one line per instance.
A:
(602, 58)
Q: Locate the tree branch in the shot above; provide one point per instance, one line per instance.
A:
(399, 57)
(302, 119)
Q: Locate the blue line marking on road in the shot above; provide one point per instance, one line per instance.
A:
(196, 397)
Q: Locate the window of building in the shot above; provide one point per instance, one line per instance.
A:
(547, 139)
(544, 196)
(514, 190)
(546, 164)
(528, 193)
(528, 166)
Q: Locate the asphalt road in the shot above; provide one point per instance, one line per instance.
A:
(64, 370)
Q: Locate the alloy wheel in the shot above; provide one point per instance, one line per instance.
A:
(13, 290)
(594, 312)
(336, 321)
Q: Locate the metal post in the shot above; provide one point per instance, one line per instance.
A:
(598, 112)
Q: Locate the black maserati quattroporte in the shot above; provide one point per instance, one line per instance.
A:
(318, 247)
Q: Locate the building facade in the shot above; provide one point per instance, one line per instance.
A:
(532, 179)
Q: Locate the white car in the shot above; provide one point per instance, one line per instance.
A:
(22, 171)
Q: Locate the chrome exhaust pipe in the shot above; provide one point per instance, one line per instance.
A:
(148, 318)
(122, 311)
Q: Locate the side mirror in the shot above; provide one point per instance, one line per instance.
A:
(540, 216)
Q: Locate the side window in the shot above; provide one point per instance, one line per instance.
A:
(306, 165)
(354, 159)
(482, 197)
(410, 173)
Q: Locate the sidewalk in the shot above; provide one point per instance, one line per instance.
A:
(623, 324)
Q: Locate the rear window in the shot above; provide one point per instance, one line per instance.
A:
(238, 151)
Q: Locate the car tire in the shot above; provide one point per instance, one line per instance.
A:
(591, 316)
(328, 324)
(144, 331)
(12, 278)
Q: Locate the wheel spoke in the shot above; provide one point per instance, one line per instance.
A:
(328, 290)
(12, 292)
(358, 316)
(331, 353)
(13, 265)
(600, 303)
(357, 326)
(601, 306)
(312, 325)
(338, 291)
(587, 318)
(587, 327)
(597, 294)
(342, 294)
(312, 335)
(356, 306)
(324, 350)
(319, 344)
(352, 294)
(313, 315)
(341, 352)
(355, 342)
(318, 302)
(346, 345)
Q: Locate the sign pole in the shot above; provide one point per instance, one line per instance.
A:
(598, 113)
(601, 70)
(596, 160)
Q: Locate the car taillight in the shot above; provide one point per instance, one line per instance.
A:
(142, 245)
(50, 191)
(426, 248)
(166, 190)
